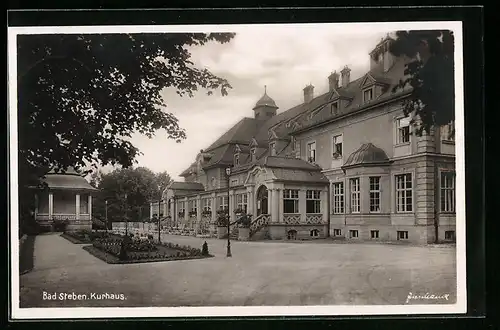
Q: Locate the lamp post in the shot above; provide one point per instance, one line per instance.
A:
(126, 215)
(159, 206)
(106, 213)
(228, 173)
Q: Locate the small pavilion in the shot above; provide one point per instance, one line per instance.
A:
(68, 196)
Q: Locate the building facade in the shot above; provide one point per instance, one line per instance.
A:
(345, 164)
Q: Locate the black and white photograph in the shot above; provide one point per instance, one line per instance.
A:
(237, 170)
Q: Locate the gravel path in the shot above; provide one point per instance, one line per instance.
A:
(259, 273)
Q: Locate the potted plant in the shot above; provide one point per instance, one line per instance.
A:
(244, 227)
(181, 214)
(337, 155)
(239, 210)
(192, 213)
(206, 213)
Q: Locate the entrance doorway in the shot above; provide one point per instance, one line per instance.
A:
(262, 200)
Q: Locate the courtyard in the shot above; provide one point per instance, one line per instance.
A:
(271, 273)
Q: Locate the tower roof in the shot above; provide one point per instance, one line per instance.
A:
(265, 101)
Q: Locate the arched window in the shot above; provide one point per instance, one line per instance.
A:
(314, 233)
(292, 234)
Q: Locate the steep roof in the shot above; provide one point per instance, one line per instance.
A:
(265, 101)
(390, 79)
(241, 133)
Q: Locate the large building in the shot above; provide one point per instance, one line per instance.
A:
(344, 164)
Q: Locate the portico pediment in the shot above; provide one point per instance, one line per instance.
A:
(259, 175)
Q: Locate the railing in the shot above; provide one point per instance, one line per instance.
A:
(314, 219)
(259, 222)
(291, 219)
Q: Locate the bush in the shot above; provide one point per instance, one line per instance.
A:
(60, 225)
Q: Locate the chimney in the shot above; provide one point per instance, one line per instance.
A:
(308, 93)
(333, 81)
(346, 76)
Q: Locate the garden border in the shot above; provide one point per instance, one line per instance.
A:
(111, 259)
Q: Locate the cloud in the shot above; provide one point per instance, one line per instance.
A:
(283, 58)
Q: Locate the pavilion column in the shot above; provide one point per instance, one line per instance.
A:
(51, 205)
(275, 206)
(77, 206)
(302, 205)
(150, 210)
(90, 206)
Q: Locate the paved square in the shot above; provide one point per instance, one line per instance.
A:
(259, 273)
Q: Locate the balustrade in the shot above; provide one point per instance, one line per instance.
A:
(291, 219)
(314, 219)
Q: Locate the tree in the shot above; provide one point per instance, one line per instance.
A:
(81, 96)
(430, 74)
(140, 185)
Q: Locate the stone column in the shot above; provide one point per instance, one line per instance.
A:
(280, 206)
(275, 205)
(250, 207)
(90, 206)
(213, 207)
(77, 207)
(198, 213)
(302, 205)
(231, 205)
(51, 205)
(324, 205)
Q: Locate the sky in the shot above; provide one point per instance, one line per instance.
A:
(283, 58)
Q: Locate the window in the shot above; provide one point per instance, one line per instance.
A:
(374, 233)
(311, 152)
(449, 235)
(403, 130)
(313, 201)
(337, 146)
(355, 195)
(374, 194)
(213, 182)
(314, 233)
(207, 205)
(272, 147)
(193, 206)
(368, 95)
(448, 132)
(338, 198)
(404, 198)
(353, 234)
(222, 202)
(290, 201)
(291, 235)
(236, 160)
(447, 192)
(402, 235)
(241, 202)
(253, 154)
(293, 142)
(335, 108)
(84, 204)
(337, 232)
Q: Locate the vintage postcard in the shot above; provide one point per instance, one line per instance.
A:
(237, 170)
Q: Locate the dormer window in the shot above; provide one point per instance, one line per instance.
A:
(367, 95)
(236, 160)
(272, 148)
(334, 108)
(253, 154)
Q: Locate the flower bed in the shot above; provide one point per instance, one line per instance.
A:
(86, 236)
(128, 250)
